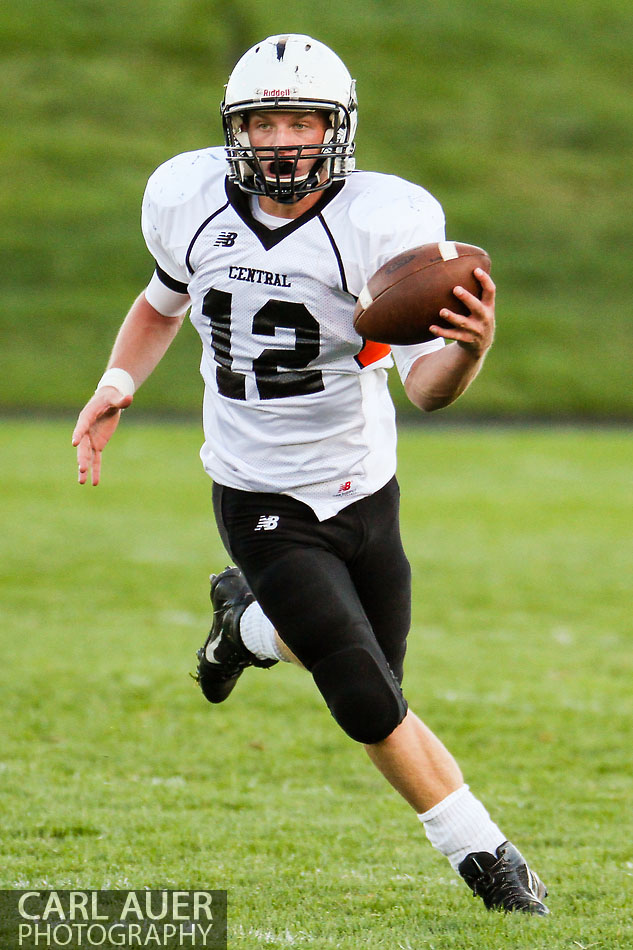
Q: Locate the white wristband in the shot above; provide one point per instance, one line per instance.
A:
(120, 379)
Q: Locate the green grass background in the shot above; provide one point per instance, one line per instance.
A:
(517, 115)
(114, 772)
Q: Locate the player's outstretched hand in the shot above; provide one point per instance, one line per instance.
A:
(95, 426)
(474, 332)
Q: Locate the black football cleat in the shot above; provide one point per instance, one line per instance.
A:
(504, 882)
(230, 596)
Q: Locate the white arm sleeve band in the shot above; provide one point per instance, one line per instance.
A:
(168, 302)
(405, 356)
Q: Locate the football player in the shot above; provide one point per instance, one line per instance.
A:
(268, 242)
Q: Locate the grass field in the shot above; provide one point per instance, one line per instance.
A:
(114, 772)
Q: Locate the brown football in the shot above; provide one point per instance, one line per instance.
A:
(404, 297)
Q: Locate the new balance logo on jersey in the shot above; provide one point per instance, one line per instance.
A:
(225, 239)
(267, 523)
(344, 488)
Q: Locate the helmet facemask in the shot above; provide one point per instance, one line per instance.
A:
(273, 170)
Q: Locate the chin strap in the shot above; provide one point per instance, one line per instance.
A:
(290, 195)
(293, 191)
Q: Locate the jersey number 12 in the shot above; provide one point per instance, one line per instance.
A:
(278, 372)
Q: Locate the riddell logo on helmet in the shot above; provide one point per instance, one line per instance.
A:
(276, 93)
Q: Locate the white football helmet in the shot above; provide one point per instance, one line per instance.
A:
(288, 72)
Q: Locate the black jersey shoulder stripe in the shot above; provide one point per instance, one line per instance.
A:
(337, 253)
(199, 232)
(170, 282)
(271, 238)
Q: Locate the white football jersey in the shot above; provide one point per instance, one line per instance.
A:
(295, 401)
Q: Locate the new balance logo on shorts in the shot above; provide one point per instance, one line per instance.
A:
(267, 523)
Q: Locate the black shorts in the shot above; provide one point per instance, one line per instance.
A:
(325, 585)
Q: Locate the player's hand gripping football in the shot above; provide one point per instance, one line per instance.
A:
(475, 331)
(95, 426)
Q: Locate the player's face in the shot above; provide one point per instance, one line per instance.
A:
(285, 131)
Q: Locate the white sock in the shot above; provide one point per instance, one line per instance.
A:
(258, 634)
(460, 824)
